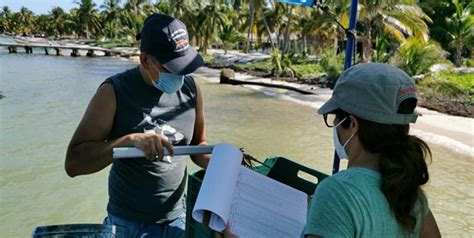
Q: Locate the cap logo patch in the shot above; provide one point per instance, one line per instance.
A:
(179, 38)
(406, 90)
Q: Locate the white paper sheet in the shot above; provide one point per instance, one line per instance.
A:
(218, 186)
(248, 203)
(263, 207)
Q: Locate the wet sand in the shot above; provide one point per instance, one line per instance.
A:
(452, 132)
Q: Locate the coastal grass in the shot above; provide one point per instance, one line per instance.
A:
(307, 69)
(445, 85)
(264, 65)
(448, 85)
(208, 58)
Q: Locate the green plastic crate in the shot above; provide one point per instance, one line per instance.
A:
(281, 169)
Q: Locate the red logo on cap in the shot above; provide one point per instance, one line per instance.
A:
(406, 90)
(179, 38)
(181, 43)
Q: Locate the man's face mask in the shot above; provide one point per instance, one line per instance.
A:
(340, 149)
(168, 83)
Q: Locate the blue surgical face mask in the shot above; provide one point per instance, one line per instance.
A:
(340, 149)
(168, 83)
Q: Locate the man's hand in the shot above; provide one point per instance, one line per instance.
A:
(152, 145)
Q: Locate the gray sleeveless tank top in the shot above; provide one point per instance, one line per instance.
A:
(142, 190)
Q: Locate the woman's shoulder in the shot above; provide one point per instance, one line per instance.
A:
(332, 184)
(350, 174)
(347, 181)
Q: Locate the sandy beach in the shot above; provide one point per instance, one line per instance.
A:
(453, 132)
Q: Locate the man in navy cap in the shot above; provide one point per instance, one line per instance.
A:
(151, 107)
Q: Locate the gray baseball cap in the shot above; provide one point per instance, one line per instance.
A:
(373, 92)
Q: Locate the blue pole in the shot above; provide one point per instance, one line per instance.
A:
(350, 48)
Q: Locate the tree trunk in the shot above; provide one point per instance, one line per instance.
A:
(279, 41)
(368, 46)
(249, 35)
(287, 32)
(458, 60)
(87, 31)
(199, 43)
(268, 31)
(305, 45)
(204, 47)
(259, 41)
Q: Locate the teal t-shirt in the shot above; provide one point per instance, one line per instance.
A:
(351, 204)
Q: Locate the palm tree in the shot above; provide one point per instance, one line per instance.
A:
(133, 16)
(228, 36)
(287, 31)
(327, 25)
(111, 21)
(132, 25)
(275, 18)
(57, 21)
(214, 17)
(180, 9)
(163, 7)
(135, 7)
(6, 17)
(416, 56)
(321, 28)
(255, 8)
(72, 26)
(265, 12)
(43, 25)
(26, 20)
(460, 29)
(88, 17)
(398, 18)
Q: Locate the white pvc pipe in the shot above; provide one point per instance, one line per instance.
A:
(132, 152)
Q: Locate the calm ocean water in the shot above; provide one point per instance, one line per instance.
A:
(45, 97)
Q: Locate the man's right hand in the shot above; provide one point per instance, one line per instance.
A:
(152, 145)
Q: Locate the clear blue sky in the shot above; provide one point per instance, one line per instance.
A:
(42, 6)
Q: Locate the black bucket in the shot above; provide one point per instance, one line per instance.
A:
(75, 231)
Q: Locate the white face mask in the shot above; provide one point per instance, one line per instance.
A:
(340, 149)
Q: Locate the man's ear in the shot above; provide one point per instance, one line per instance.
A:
(143, 60)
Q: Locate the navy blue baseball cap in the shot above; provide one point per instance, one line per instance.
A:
(166, 38)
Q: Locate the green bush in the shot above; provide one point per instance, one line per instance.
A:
(264, 65)
(332, 64)
(208, 58)
(307, 69)
(469, 62)
(463, 81)
(416, 56)
(448, 85)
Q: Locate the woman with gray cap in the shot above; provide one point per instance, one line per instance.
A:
(150, 107)
(379, 195)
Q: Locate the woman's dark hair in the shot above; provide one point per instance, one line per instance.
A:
(402, 162)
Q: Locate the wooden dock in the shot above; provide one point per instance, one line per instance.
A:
(28, 46)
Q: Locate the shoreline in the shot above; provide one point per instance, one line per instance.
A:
(431, 126)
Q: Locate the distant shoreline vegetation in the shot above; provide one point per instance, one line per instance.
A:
(383, 27)
(425, 38)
